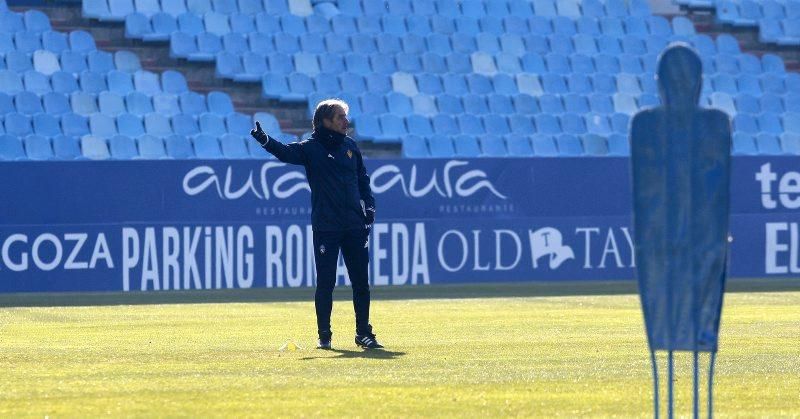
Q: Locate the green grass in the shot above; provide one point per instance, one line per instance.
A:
(537, 355)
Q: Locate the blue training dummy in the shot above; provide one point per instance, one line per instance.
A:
(680, 159)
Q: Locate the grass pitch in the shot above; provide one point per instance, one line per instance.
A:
(535, 355)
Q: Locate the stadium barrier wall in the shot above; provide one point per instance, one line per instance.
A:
(195, 224)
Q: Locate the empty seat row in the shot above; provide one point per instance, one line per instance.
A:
(94, 82)
(47, 62)
(62, 147)
(392, 128)
(104, 126)
(515, 145)
(117, 10)
(499, 8)
(31, 21)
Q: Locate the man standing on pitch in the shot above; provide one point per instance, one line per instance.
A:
(342, 211)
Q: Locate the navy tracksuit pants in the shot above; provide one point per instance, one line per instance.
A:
(354, 246)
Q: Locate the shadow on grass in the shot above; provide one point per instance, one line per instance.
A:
(348, 354)
(406, 292)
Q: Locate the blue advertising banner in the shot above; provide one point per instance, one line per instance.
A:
(158, 225)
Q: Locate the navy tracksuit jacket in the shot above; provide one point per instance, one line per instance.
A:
(339, 183)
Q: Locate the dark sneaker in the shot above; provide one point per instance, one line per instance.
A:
(324, 339)
(368, 341)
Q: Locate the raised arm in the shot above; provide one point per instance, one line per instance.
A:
(292, 153)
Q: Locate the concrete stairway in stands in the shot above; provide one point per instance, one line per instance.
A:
(705, 22)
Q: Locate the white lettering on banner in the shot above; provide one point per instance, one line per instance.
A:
(171, 261)
(788, 188)
(449, 184)
(476, 248)
(410, 188)
(547, 241)
(464, 250)
(22, 265)
(80, 239)
(610, 247)
(379, 253)
(400, 254)
(48, 252)
(498, 237)
(773, 246)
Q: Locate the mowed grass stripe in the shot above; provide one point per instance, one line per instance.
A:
(524, 356)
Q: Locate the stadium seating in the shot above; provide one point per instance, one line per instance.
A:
(62, 98)
(495, 78)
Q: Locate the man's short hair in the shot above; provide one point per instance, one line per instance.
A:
(326, 110)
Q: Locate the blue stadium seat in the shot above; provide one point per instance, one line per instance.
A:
(213, 124)
(120, 82)
(102, 126)
(228, 65)
(122, 147)
(179, 147)
(475, 104)
(415, 147)
(184, 125)
(572, 123)
(146, 82)
(467, 146)
(406, 62)
(771, 103)
(544, 145)
(519, 124)
(27, 41)
(547, 124)
(208, 45)
(449, 104)
(392, 127)
(597, 124)
(282, 64)
(100, 61)
(46, 125)
(620, 123)
(772, 63)
(618, 145)
(518, 145)
(18, 61)
(157, 125)
(61, 81)
(417, 125)
(219, 103)
(595, 145)
(424, 105)
(130, 125)
(790, 143)
(441, 146)
(66, 148)
(526, 104)
(579, 83)
(470, 124)
(569, 145)
(45, 62)
(166, 104)
(36, 82)
(83, 103)
(138, 26)
(458, 63)
(770, 123)
(551, 104)
(150, 147)
(127, 61)
(234, 147)
(253, 68)
(367, 126)
(791, 121)
(94, 148)
(163, 25)
(81, 41)
(11, 148)
(54, 103)
(500, 104)
(238, 123)
(745, 123)
(373, 102)
(744, 143)
(37, 147)
(73, 62)
(55, 42)
(554, 83)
